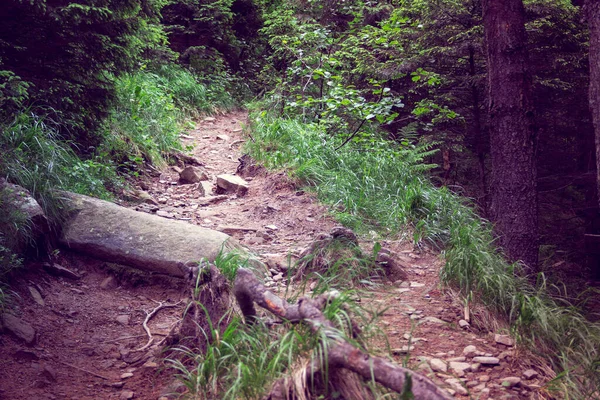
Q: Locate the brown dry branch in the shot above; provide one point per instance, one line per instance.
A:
(341, 354)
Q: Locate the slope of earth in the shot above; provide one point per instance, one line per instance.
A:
(87, 332)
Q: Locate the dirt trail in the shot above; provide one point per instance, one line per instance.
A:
(86, 329)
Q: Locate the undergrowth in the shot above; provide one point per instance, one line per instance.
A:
(244, 361)
(381, 186)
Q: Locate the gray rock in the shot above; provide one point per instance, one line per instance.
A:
(278, 277)
(36, 296)
(463, 324)
(192, 175)
(108, 283)
(457, 359)
(470, 351)
(59, 270)
(123, 319)
(126, 395)
(49, 373)
(510, 381)
(456, 384)
(434, 320)
(504, 339)
(119, 235)
(22, 200)
(460, 367)
(205, 188)
(438, 365)
(126, 375)
(530, 374)
(18, 328)
(486, 360)
(475, 367)
(227, 183)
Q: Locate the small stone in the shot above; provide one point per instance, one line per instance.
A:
(403, 350)
(486, 360)
(37, 297)
(470, 351)
(272, 227)
(205, 188)
(123, 319)
(434, 320)
(108, 283)
(416, 284)
(484, 378)
(209, 119)
(59, 270)
(117, 385)
(457, 359)
(530, 374)
(460, 367)
(192, 175)
(20, 329)
(49, 373)
(475, 367)
(227, 183)
(511, 381)
(126, 375)
(463, 324)
(126, 395)
(150, 365)
(456, 384)
(224, 138)
(438, 365)
(164, 214)
(25, 355)
(504, 339)
(278, 277)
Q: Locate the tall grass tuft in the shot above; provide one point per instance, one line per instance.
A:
(383, 187)
(151, 109)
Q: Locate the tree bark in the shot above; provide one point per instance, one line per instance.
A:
(340, 354)
(513, 206)
(592, 9)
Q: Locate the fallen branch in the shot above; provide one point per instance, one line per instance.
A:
(341, 354)
(149, 316)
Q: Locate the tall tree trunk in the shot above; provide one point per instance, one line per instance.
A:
(513, 205)
(479, 139)
(593, 16)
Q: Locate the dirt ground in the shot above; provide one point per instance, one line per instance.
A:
(88, 329)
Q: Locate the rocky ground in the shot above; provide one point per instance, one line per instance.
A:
(77, 336)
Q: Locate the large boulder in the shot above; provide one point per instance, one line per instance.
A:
(110, 232)
(21, 200)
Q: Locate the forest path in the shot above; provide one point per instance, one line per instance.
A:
(422, 322)
(88, 328)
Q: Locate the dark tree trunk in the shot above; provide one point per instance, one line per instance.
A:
(513, 205)
(593, 17)
(479, 138)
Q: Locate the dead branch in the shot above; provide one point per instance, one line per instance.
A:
(341, 354)
(149, 316)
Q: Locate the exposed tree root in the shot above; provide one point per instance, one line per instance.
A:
(340, 354)
(149, 316)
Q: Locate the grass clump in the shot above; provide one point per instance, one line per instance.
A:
(382, 186)
(151, 109)
(244, 361)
